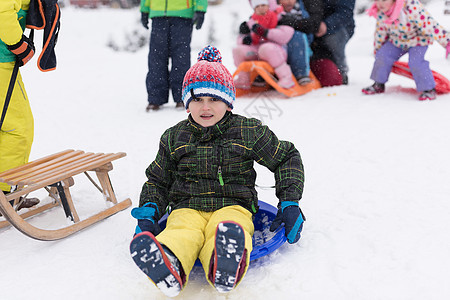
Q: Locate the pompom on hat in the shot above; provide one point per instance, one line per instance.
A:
(208, 78)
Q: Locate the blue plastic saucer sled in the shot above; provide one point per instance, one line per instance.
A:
(264, 241)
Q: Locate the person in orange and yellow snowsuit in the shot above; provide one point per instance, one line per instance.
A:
(17, 129)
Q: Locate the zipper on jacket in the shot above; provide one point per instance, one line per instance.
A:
(219, 173)
(219, 162)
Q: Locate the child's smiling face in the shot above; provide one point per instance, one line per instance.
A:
(261, 9)
(207, 111)
(384, 5)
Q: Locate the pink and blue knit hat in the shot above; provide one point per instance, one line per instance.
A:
(208, 78)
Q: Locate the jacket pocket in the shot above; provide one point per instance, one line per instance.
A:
(186, 159)
(236, 159)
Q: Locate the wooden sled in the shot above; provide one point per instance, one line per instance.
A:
(54, 173)
(266, 71)
(442, 84)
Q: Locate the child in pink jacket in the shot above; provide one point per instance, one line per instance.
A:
(261, 39)
(405, 26)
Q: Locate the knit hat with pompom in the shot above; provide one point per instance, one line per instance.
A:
(208, 78)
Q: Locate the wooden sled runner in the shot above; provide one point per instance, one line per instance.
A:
(442, 84)
(263, 69)
(54, 173)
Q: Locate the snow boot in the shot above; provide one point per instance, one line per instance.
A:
(158, 263)
(25, 203)
(376, 88)
(344, 78)
(152, 107)
(243, 81)
(284, 75)
(228, 257)
(428, 95)
(303, 80)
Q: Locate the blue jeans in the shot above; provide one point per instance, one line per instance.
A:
(332, 46)
(299, 54)
(420, 68)
(170, 37)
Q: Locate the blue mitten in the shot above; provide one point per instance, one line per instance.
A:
(290, 214)
(147, 217)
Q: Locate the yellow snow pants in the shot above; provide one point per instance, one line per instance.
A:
(16, 135)
(190, 234)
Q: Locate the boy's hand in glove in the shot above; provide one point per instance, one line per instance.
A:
(144, 19)
(259, 30)
(199, 17)
(147, 217)
(23, 49)
(290, 214)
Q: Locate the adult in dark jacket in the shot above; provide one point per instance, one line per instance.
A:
(333, 25)
(336, 29)
(306, 25)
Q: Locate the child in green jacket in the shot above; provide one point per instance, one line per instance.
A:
(204, 172)
(170, 39)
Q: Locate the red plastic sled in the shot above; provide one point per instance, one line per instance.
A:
(442, 84)
(263, 69)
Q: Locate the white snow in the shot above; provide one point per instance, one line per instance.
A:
(376, 195)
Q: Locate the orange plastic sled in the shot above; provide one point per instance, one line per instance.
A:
(442, 84)
(266, 71)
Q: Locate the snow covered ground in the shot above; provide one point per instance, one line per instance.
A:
(377, 173)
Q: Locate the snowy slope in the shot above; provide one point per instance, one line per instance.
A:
(377, 172)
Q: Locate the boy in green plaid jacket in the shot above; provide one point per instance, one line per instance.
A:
(204, 172)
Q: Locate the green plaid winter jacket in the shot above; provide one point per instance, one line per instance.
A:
(209, 168)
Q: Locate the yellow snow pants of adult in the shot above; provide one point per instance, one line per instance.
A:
(190, 234)
(16, 135)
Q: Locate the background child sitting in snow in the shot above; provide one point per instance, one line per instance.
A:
(261, 39)
(405, 26)
(204, 172)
